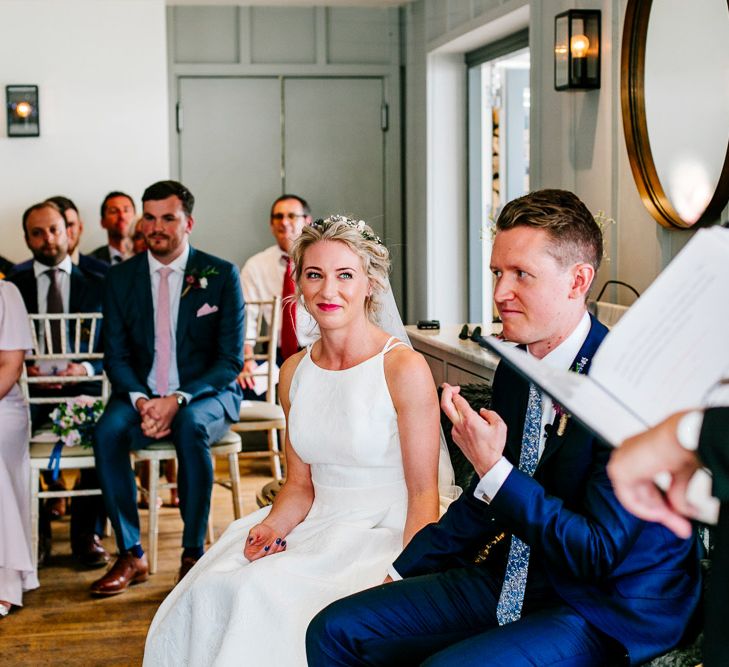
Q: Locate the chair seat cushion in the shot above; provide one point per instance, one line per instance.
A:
(229, 438)
(42, 450)
(260, 411)
(267, 494)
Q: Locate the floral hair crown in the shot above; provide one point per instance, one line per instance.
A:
(359, 225)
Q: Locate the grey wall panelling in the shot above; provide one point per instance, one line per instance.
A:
(300, 49)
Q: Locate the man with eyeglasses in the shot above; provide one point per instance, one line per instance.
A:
(267, 274)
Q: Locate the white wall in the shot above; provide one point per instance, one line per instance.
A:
(101, 68)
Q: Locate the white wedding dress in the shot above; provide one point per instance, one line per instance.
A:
(230, 611)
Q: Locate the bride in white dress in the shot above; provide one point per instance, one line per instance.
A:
(362, 452)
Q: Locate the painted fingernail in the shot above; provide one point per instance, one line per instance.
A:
(267, 547)
(278, 540)
(283, 544)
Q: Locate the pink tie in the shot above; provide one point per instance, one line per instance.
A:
(162, 328)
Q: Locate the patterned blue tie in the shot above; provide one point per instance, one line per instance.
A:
(512, 591)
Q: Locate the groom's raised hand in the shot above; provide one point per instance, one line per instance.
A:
(481, 436)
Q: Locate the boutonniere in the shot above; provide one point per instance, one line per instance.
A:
(198, 278)
(559, 410)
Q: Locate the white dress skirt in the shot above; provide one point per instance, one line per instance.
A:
(16, 564)
(230, 611)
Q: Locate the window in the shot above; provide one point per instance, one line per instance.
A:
(498, 146)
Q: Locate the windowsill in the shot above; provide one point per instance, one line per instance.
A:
(451, 359)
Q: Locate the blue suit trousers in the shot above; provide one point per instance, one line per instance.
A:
(194, 429)
(447, 619)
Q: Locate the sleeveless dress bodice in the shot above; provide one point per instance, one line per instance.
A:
(344, 425)
(230, 611)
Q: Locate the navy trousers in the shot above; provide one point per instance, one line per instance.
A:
(449, 619)
(194, 429)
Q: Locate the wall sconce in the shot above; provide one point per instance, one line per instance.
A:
(22, 109)
(577, 49)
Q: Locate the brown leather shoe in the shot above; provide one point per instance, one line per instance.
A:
(89, 551)
(127, 570)
(56, 508)
(185, 566)
(44, 549)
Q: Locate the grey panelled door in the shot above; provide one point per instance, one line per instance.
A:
(334, 146)
(230, 157)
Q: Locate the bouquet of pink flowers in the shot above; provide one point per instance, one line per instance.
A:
(73, 421)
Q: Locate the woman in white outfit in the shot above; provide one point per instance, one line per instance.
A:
(362, 452)
(17, 573)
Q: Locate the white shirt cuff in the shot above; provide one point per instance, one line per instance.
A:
(89, 368)
(394, 574)
(188, 397)
(493, 480)
(134, 396)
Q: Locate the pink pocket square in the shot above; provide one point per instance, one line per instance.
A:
(206, 309)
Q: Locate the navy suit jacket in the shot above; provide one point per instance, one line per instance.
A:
(6, 266)
(101, 254)
(209, 347)
(85, 296)
(635, 581)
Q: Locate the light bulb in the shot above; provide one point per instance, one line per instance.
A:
(23, 109)
(579, 44)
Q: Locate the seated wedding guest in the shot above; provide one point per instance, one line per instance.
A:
(268, 274)
(537, 563)
(53, 284)
(362, 460)
(74, 230)
(117, 218)
(681, 445)
(139, 245)
(17, 573)
(173, 337)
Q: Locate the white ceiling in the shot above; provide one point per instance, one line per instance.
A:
(295, 3)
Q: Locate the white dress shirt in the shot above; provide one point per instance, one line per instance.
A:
(115, 255)
(561, 356)
(262, 278)
(175, 280)
(43, 282)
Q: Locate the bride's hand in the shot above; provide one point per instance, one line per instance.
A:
(263, 541)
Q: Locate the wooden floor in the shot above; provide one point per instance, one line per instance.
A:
(61, 624)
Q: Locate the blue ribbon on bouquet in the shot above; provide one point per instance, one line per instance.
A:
(54, 463)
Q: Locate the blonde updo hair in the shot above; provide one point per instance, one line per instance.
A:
(360, 239)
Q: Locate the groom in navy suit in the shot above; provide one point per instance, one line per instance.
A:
(173, 336)
(537, 563)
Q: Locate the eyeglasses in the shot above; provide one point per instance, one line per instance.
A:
(278, 217)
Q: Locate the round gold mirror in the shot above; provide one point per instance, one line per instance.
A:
(675, 103)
